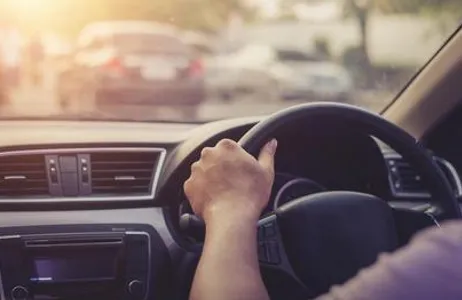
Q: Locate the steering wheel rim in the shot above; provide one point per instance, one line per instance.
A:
(372, 124)
(296, 237)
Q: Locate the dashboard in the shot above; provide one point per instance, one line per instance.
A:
(85, 178)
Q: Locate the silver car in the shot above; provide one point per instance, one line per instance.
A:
(310, 76)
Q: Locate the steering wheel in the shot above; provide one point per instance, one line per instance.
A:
(325, 238)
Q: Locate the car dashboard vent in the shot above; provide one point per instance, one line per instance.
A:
(405, 181)
(23, 176)
(71, 175)
(122, 173)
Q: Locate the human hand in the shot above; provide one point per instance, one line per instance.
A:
(228, 182)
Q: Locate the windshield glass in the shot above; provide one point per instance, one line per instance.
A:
(201, 60)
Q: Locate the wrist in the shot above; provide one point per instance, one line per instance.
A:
(230, 211)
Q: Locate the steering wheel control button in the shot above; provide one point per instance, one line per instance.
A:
(261, 233)
(273, 253)
(136, 288)
(269, 230)
(262, 255)
(19, 293)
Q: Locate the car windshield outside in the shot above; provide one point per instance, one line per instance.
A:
(201, 60)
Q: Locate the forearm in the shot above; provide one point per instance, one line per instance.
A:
(228, 268)
(428, 268)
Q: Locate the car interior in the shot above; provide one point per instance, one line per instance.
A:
(96, 209)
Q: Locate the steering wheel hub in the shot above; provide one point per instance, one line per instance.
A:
(335, 234)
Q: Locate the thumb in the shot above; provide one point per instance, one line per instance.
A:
(266, 157)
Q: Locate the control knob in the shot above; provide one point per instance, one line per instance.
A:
(19, 293)
(136, 288)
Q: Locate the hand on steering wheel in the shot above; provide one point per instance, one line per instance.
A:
(227, 182)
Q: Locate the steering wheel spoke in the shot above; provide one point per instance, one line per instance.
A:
(271, 251)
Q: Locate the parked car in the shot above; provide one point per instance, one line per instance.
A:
(132, 62)
(273, 73)
(311, 76)
(235, 73)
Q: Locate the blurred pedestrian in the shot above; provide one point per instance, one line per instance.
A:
(3, 86)
(35, 57)
(10, 48)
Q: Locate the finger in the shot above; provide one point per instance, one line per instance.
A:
(266, 157)
(195, 167)
(187, 187)
(206, 152)
(227, 144)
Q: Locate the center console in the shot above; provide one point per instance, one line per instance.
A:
(83, 262)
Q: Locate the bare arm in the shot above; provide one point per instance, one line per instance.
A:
(228, 268)
(228, 188)
(428, 268)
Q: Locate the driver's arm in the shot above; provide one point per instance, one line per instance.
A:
(229, 188)
(429, 268)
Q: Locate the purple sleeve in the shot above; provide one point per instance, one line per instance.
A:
(430, 267)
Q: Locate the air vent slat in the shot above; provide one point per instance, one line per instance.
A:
(140, 162)
(101, 183)
(123, 173)
(102, 179)
(404, 178)
(20, 172)
(406, 181)
(15, 190)
(130, 171)
(23, 176)
(115, 188)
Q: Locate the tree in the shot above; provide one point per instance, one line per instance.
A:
(447, 12)
(360, 10)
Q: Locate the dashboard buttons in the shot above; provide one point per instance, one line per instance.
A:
(19, 293)
(84, 170)
(53, 171)
(136, 288)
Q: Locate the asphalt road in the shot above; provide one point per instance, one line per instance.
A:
(36, 101)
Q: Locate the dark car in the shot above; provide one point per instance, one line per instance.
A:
(131, 62)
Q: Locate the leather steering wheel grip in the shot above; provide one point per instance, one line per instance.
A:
(367, 123)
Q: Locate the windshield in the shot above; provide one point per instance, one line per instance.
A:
(201, 60)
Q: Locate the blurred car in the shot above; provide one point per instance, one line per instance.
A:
(135, 62)
(311, 76)
(234, 73)
(276, 73)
